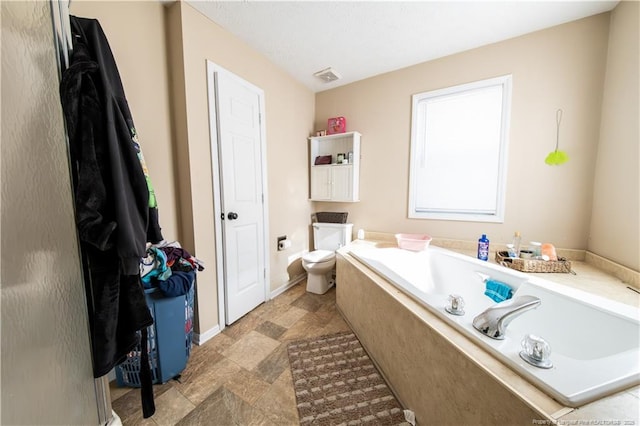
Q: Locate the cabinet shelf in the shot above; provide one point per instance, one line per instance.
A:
(335, 181)
(331, 165)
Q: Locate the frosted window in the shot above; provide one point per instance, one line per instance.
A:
(458, 152)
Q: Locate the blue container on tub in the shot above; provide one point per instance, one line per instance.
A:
(168, 342)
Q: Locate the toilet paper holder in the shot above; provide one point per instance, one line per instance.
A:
(283, 243)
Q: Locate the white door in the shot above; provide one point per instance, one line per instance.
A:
(240, 133)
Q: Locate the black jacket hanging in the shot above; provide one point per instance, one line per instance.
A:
(97, 112)
(113, 214)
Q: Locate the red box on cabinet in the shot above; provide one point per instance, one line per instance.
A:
(336, 125)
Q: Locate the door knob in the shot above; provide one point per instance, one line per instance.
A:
(232, 215)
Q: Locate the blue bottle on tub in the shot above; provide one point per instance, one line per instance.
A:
(483, 248)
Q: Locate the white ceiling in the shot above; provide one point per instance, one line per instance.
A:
(364, 38)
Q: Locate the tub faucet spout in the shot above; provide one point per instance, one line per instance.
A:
(493, 321)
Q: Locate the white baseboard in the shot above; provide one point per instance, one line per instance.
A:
(115, 420)
(111, 376)
(288, 285)
(200, 338)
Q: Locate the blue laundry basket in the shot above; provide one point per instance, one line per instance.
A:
(168, 339)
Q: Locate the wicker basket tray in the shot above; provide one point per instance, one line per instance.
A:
(331, 217)
(532, 265)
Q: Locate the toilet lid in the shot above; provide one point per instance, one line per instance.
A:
(319, 256)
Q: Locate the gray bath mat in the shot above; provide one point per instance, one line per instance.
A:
(337, 384)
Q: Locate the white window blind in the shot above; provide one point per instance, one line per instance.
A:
(458, 152)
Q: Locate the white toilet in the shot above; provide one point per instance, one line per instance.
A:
(319, 264)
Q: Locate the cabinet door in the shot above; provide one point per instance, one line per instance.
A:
(342, 188)
(321, 182)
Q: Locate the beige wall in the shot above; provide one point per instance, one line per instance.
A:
(289, 120)
(161, 53)
(136, 34)
(561, 67)
(615, 222)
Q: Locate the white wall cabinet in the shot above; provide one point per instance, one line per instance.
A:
(337, 181)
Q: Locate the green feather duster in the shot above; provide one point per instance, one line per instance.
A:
(555, 158)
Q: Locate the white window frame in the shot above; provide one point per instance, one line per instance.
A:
(419, 146)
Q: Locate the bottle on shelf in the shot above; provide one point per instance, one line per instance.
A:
(483, 248)
(516, 243)
(536, 247)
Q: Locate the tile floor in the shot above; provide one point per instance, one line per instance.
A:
(242, 375)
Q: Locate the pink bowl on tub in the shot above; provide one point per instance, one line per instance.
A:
(413, 242)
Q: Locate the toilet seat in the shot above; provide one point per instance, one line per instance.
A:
(319, 256)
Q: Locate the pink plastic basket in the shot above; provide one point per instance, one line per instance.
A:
(413, 242)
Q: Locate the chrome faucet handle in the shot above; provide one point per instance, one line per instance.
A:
(456, 305)
(536, 351)
(493, 321)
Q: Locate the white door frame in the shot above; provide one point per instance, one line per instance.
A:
(212, 70)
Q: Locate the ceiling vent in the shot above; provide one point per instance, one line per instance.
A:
(328, 75)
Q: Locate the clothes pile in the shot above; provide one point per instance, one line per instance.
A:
(170, 268)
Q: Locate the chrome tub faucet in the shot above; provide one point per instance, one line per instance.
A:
(493, 321)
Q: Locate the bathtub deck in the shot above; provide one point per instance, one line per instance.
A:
(622, 406)
(591, 279)
(593, 273)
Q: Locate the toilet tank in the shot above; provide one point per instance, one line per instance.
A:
(331, 236)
